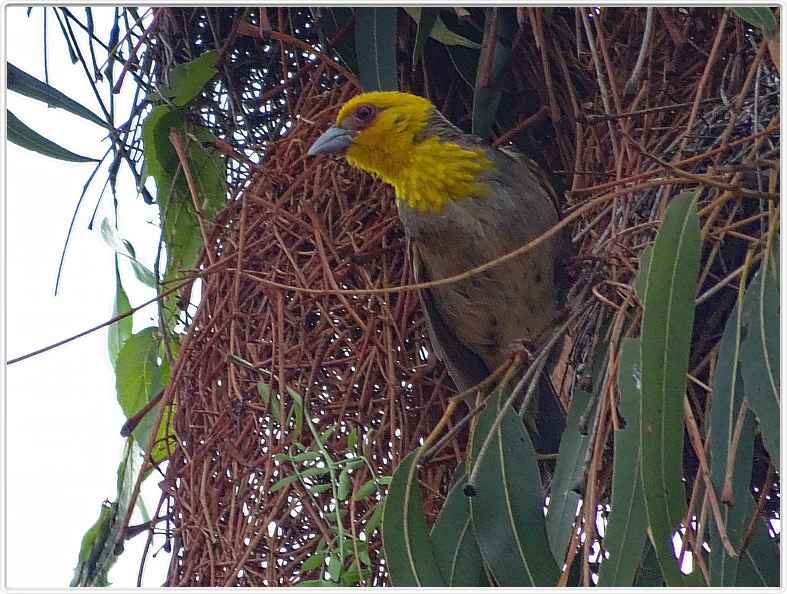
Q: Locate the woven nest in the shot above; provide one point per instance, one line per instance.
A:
(358, 362)
(261, 356)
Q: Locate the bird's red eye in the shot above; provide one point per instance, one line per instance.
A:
(365, 113)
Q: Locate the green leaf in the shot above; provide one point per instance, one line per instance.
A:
(507, 511)
(465, 61)
(486, 99)
(644, 267)
(97, 551)
(120, 331)
(179, 221)
(625, 536)
(334, 568)
(375, 45)
(352, 439)
(563, 499)
(757, 16)
(125, 249)
(649, 572)
(93, 540)
(724, 407)
(365, 490)
(667, 323)
(455, 545)
(344, 484)
(408, 548)
(138, 379)
(426, 23)
(313, 562)
(187, 80)
(437, 30)
(21, 82)
(760, 351)
(19, 133)
(332, 20)
(374, 519)
(760, 562)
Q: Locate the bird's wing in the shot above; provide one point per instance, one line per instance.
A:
(465, 366)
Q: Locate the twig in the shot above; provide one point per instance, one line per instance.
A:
(631, 86)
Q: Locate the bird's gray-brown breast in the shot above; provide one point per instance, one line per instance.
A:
(472, 321)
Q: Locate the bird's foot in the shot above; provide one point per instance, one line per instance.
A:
(524, 346)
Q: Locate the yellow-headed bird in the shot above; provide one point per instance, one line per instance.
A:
(463, 203)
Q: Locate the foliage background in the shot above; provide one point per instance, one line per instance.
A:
(500, 91)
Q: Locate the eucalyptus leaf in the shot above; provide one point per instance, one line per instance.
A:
(409, 553)
(21, 134)
(455, 544)
(375, 45)
(760, 352)
(23, 83)
(507, 511)
(670, 290)
(625, 536)
(563, 499)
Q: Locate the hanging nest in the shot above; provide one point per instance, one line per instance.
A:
(306, 374)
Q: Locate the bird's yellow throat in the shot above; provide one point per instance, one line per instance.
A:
(426, 171)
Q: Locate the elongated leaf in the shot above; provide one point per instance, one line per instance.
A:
(758, 16)
(507, 511)
(563, 500)
(29, 86)
(332, 20)
(760, 351)
(666, 336)
(436, 29)
(187, 80)
(760, 562)
(408, 548)
(486, 98)
(97, 551)
(425, 19)
(375, 45)
(138, 379)
(120, 331)
(625, 536)
(724, 408)
(21, 134)
(455, 545)
(649, 572)
(123, 248)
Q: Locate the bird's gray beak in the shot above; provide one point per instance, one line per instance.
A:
(334, 141)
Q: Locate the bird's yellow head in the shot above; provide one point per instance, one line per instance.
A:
(397, 137)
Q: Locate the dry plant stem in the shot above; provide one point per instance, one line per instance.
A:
(177, 142)
(488, 49)
(705, 179)
(522, 125)
(690, 535)
(252, 31)
(654, 172)
(599, 78)
(109, 322)
(537, 22)
(636, 73)
(729, 467)
(528, 376)
(720, 34)
(696, 442)
(455, 400)
(766, 487)
(441, 443)
(127, 64)
(726, 280)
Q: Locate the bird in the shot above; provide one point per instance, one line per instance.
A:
(463, 203)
